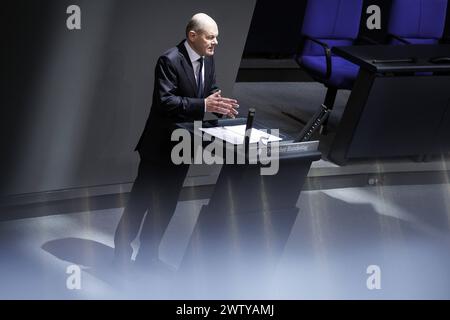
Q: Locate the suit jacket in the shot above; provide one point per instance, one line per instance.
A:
(174, 101)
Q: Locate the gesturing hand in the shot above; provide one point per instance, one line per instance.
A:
(217, 103)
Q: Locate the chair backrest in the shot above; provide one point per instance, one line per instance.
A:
(418, 21)
(335, 22)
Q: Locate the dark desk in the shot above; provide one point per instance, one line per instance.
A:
(397, 108)
(249, 217)
(371, 57)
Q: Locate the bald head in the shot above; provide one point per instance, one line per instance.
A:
(202, 33)
(200, 22)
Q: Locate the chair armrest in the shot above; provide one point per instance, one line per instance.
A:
(399, 38)
(327, 51)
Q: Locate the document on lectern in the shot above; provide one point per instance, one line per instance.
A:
(236, 134)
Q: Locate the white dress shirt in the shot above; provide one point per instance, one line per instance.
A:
(194, 56)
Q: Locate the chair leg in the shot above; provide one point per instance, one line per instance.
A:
(330, 98)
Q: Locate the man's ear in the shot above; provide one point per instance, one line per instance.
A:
(192, 35)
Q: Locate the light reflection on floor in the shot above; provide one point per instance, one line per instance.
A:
(338, 233)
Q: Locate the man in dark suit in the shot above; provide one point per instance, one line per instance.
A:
(184, 90)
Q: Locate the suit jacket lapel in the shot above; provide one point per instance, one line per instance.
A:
(187, 66)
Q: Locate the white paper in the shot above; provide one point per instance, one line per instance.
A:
(236, 134)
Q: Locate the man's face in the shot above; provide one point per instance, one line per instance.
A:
(205, 41)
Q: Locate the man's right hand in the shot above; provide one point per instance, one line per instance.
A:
(218, 104)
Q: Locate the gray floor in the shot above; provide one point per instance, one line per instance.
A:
(338, 233)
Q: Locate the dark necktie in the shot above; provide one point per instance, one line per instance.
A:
(199, 79)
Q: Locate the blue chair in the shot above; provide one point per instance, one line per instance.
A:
(329, 23)
(417, 21)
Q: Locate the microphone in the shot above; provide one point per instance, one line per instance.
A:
(248, 129)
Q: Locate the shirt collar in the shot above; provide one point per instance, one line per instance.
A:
(194, 56)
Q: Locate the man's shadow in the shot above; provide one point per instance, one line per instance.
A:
(92, 256)
(97, 259)
(83, 252)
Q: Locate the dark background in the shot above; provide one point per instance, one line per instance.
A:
(276, 25)
(74, 103)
